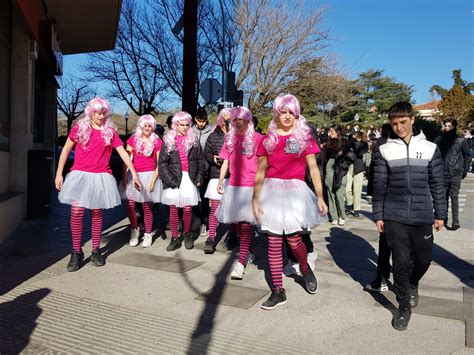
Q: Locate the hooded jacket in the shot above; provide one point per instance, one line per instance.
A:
(409, 182)
(455, 153)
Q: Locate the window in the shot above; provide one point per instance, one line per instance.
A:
(5, 15)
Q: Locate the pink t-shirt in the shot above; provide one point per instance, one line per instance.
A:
(242, 167)
(284, 163)
(141, 162)
(183, 155)
(95, 157)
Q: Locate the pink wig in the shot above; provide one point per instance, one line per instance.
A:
(146, 148)
(170, 138)
(96, 105)
(248, 145)
(220, 118)
(301, 131)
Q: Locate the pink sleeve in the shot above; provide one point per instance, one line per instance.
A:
(224, 153)
(261, 150)
(313, 149)
(73, 133)
(131, 141)
(158, 145)
(116, 141)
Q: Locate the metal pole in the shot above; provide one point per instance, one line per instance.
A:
(224, 86)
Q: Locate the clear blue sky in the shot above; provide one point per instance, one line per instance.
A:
(419, 42)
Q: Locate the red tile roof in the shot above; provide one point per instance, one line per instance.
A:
(433, 105)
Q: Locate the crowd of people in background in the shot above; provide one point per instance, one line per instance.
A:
(280, 185)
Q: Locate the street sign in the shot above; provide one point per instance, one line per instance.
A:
(211, 90)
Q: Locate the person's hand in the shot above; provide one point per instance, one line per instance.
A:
(136, 182)
(438, 224)
(220, 187)
(257, 210)
(58, 182)
(323, 208)
(151, 186)
(380, 226)
(218, 161)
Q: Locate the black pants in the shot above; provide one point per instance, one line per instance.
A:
(452, 185)
(201, 210)
(383, 259)
(411, 255)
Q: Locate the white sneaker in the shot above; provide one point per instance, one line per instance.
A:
(334, 222)
(238, 272)
(147, 238)
(203, 230)
(250, 258)
(312, 259)
(291, 268)
(134, 237)
(341, 222)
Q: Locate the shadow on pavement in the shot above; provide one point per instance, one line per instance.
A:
(458, 267)
(18, 320)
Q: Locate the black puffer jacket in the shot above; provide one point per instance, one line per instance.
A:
(455, 154)
(360, 148)
(169, 166)
(214, 143)
(409, 182)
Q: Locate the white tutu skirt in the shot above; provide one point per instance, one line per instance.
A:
(236, 205)
(185, 195)
(131, 193)
(211, 192)
(289, 207)
(90, 190)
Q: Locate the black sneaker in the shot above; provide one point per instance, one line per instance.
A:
(209, 246)
(380, 284)
(277, 298)
(97, 259)
(174, 244)
(355, 214)
(310, 281)
(349, 209)
(75, 262)
(413, 296)
(455, 227)
(188, 241)
(401, 318)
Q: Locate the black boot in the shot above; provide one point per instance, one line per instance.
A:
(401, 318)
(96, 258)
(209, 246)
(310, 281)
(174, 244)
(188, 241)
(75, 261)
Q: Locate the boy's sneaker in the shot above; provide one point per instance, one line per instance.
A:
(75, 261)
(401, 318)
(413, 296)
(96, 258)
(312, 257)
(341, 221)
(310, 281)
(349, 209)
(209, 246)
(147, 239)
(174, 244)
(380, 284)
(134, 237)
(188, 241)
(238, 272)
(203, 230)
(277, 298)
(355, 214)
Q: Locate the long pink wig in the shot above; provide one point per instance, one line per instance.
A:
(220, 118)
(83, 134)
(248, 145)
(145, 148)
(170, 138)
(301, 131)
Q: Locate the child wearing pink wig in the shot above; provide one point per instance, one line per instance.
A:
(182, 168)
(90, 183)
(144, 147)
(283, 204)
(212, 149)
(238, 153)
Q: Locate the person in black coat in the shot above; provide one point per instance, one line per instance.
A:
(355, 175)
(182, 170)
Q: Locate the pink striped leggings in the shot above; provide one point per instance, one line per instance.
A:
(77, 216)
(174, 220)
(275, 258)
(148, 215)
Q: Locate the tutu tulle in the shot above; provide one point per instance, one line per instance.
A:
(185, 195)
(236, 205)
(211, 191)
(288, 206)
(90, 190)
(131, 193)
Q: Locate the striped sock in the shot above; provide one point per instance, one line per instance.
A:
(174, 221)
(132, 214)
(299, 251)
(187, 218)
(213, 219)
(77, 216)
(275, 259)
(245, 240)
(96, 218)
(148, 216)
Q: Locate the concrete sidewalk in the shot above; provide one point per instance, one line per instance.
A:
(153, 301)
